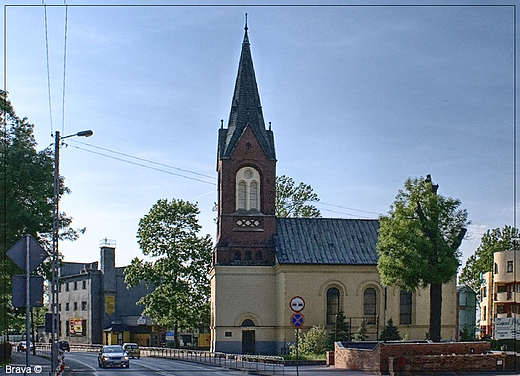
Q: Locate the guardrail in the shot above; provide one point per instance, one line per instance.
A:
(266, 364)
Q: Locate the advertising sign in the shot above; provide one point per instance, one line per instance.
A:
(76, 326)
(505, 328)
(110, 304)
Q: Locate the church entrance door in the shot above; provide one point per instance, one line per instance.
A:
(248, 342)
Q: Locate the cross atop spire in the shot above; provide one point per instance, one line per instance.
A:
(245, 28)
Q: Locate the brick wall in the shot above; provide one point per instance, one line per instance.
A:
(377, 358)
(442, 364)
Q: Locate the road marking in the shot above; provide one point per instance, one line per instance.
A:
(85, 364)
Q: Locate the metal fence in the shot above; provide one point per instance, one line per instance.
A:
(266, 364)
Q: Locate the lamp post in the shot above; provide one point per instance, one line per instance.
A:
(55, 253)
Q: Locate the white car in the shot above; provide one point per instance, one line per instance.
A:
(113, 355)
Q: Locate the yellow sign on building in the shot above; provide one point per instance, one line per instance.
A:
(110, 304)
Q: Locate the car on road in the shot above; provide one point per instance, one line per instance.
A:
(112, 356)
(22, 346)
(132, 349)
(64, 346)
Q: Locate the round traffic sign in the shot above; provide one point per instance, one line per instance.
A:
(297, 320)
(297, 304)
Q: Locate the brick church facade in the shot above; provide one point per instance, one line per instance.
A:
(260, 262)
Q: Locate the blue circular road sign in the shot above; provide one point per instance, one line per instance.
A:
(297, 320)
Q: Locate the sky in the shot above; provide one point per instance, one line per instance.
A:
(360, 98)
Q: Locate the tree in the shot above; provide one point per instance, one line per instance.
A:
(361, 333)
(418, 243)
(341, 330)
(482, 260)
(311, 343)
(179, 271)
(292, 200)
(26, 198)
(390, 332)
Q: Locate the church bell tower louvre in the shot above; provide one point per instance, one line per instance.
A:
(246, 165)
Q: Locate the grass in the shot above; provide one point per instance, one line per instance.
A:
(305, 357)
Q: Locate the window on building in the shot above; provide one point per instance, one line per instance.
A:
(248, 322)
(332, 305)
(75, 306)
(248, 189)
(484, 292)
(67, 286)
(83, 306)
(238, 256)
(405, 316)
(83, 327)
(59, 306)
(67, 331)
(84, 285)
(496, 268)
(500, 309)
(484, 313)
(66, 306)
(510, 266)
(75, 285)
(59, 287)
(369, 305)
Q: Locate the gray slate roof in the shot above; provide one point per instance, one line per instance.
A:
(331, 241)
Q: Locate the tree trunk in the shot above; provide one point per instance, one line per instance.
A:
(435, 311)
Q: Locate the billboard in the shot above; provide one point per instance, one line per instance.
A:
(76, 326)
(506, 327)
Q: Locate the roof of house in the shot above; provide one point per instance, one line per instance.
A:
(331, 241)
(246, 110)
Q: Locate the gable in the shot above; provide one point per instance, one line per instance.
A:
(330, 241)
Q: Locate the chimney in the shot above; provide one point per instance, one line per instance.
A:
(108, 264)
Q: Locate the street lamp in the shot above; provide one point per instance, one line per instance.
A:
(55, 253)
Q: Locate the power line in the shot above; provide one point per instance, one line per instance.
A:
(142, 159)
(48, 68)
(64, 68)
(142, 165)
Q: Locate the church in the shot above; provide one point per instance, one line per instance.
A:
(271, 275)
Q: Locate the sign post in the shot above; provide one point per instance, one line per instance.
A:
(297, 304)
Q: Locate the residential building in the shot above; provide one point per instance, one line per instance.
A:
(96, 306)
(467, 310)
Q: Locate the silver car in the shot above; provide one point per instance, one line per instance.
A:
(113, 356)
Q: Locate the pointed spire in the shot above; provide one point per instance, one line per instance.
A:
(246, 108)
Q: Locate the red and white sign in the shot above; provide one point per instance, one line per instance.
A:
(297, 304)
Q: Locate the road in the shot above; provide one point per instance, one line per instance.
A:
(85, 364)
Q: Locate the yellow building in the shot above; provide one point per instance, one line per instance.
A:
(500, 297)
(270, 274)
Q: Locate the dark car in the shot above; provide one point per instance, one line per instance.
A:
(113, 355)
(132, 349)
(64, 346)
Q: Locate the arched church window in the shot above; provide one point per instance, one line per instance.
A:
(405, 314)
(241, 195)
(253, 196)
(238, 256)
(248, 256)
(332, 305)
(370, 305)
(248, 322)
(248, 189)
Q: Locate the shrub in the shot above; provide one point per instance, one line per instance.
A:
(311, 343)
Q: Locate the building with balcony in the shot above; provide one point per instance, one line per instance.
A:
(500, 296)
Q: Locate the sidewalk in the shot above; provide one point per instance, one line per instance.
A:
(37, 364)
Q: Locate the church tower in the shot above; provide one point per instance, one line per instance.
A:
(246, 165)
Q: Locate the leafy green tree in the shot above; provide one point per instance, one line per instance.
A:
(314, 342)
(418, 243)
(390, 332)
(467, 333)
(26, 199)
(482, 260)
(362, 332)
(293, 200)
(179, 270)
